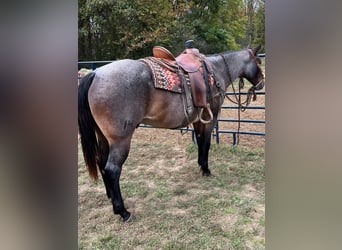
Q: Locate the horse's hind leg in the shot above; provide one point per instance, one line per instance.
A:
(118, 152)
(102, 160)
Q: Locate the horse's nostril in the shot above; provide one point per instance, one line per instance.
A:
(260, 85)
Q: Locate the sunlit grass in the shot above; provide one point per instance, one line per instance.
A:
(175, 207)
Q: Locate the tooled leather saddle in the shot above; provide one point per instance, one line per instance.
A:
(195, 67)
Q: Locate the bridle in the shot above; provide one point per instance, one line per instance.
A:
(251, 92)
(242, 105)
(260, 69)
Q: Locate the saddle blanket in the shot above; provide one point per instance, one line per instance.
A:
(163, 77)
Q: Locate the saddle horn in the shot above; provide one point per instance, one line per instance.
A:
(189, 44)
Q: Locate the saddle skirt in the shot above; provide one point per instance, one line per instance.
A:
(163, 77)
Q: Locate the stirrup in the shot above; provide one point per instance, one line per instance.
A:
(210, 114)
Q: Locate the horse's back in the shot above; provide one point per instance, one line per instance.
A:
(126, 72)
(123, 93)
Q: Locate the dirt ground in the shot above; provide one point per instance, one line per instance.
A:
(253, 114)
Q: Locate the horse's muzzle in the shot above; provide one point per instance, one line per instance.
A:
(259, 85)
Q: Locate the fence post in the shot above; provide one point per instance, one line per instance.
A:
(217, 134)
(234, 138)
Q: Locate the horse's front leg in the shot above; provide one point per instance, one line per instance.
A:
(203, 138)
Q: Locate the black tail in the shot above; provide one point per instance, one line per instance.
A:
(87, 126)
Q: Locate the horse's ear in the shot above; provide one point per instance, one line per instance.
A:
(256, 49)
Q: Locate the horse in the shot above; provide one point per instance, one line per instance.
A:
(115, 98)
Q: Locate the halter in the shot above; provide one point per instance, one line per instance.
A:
(256, 62)
(250, 92)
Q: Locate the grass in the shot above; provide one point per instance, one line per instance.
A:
(175, 207)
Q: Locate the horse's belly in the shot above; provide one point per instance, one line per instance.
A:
(165, 111)
(163, 120)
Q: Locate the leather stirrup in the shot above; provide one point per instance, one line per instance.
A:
(210, 114)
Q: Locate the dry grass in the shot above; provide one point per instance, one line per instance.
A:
(175, 207)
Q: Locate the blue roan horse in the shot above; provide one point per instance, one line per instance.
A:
(117, 97)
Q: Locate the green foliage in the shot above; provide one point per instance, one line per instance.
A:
(114, 29)
(259, 37)
(255, 22)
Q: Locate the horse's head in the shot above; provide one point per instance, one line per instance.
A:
(252, 70)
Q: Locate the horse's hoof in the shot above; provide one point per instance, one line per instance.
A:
(129, 218)
(206, 173)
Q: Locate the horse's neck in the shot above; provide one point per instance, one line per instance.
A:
(228, 65)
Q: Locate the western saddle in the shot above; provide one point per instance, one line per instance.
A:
(197, 69)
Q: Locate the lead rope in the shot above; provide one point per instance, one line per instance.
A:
(237, 98)
(239, 114)
(240, 107)
(243, 105)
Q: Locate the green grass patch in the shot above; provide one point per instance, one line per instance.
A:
(177, 208)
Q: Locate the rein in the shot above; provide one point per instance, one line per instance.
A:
(251, 92)
(237, 100)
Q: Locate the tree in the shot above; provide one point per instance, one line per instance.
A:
(255, 23)
(259, 25)
(114, 29)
